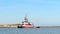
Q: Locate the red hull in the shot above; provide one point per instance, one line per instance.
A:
(27, 26)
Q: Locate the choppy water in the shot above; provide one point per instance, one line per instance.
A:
(29, 30)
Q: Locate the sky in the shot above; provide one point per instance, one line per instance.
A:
(39, 12)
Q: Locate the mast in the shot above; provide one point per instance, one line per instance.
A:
(26, 20)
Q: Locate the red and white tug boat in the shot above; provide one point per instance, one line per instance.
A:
(26, 24)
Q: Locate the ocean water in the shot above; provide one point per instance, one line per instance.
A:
(29, 30)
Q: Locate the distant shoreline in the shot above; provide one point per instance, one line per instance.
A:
(38, 26)
(49, 26)
(16, 26)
